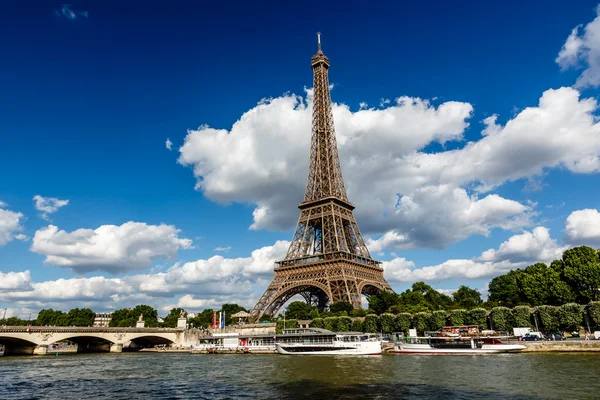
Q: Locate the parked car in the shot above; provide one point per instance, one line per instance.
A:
(528, 337)
(575, 334)
(555, 336)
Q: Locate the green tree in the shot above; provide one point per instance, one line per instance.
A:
(317, 323)
(284, 323)
(331, 324)
(121, 318)
(477, 316)
(467, 298)
(229, 310)
(314, 313)
(582, 273)
(403, 322)
(344, 324)
(547, 318)
(571, 316)
(382, 301)
(81, 317)
(541, 284)
(340, 306)
(358, 325)
(371, 323)
(359, 312)
(500, 319)
(458, 317)
(421, 321)
(203, 319)
(14, 321)
(593, 311)
(504, 289)
(299, 310)
(438, 320)
(521, 317)
(170, 321)
(387, 322)
(149, 315)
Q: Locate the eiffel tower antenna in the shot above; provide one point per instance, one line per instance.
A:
(327, 260)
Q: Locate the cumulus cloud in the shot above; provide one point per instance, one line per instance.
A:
(516, 252)
(67, 12)
(582, 49)
(583, 227)
(48, 205)
(15, 281)
(533, 246)
(168, 144)
(10, 225)
(198, 284)
(110, 248)
(263, 160)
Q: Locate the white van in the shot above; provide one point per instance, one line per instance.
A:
(597, 335)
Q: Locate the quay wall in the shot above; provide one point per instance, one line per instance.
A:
(562, 346)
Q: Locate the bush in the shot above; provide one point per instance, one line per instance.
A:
(521, 317)
(344, 324)
(371, 323)
(317, 323)
(438, 320)
(477, 316)
(403, 322)
(458, 317)
(421, 321)
(571, 317)
(547, 318)
(357, 325)
(593, 311)
(331, 324)
(500, 319)
(387, 322)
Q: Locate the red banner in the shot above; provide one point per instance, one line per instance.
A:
(214, 325)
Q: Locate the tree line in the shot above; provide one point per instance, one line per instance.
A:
(573, 278)
(567, 317)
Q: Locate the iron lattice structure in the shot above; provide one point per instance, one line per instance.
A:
(327, 260)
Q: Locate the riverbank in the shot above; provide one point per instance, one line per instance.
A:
(562, 346)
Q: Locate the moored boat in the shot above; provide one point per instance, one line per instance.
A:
(351, 343)
(457, 345)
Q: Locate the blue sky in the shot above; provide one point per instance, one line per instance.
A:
(93, 90)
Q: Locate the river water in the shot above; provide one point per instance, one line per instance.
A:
(203, 376)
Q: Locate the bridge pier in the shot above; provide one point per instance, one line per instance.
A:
(116, 348)
(40, 350)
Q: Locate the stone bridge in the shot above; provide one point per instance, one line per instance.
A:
(35, 339)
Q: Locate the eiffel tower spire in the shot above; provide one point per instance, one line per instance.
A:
(327, 260)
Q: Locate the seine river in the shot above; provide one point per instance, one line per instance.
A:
(201, 376)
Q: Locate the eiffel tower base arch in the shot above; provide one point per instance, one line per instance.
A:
(321, 284)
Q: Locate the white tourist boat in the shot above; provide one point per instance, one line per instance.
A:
(457, 345)
(352, 343)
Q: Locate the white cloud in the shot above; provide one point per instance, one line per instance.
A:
(263, 160)
(199, 284)
(15, 280)
(223, 249)
(583, 227)
(516, 252)
(110, 248)
(48, 205)
(533, 246)
(10, 225)
(67, 12)
(582, 49)
(168, 144)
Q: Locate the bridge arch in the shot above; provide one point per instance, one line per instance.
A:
(17, 346)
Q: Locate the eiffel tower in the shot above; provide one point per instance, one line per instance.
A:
(327, 260)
